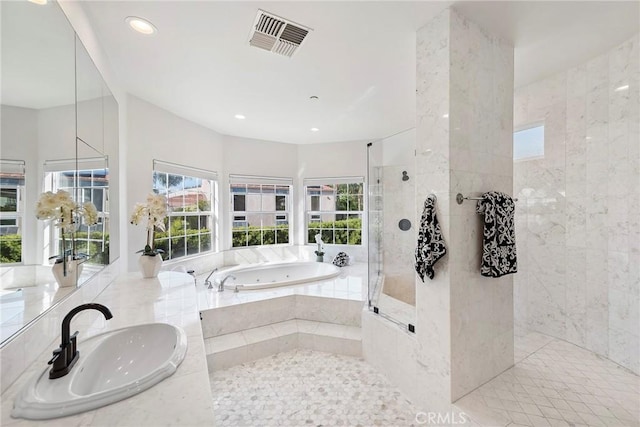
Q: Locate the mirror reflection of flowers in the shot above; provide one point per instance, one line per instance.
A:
(67, 215)
(153, 212)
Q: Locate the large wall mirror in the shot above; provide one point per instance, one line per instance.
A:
(59, 131)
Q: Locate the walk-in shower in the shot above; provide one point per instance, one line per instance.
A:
(392, 226)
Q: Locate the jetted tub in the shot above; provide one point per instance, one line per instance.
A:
(276, 275)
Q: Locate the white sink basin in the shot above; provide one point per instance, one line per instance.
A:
(112, 366)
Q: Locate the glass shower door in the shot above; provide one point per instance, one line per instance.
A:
(392, 227)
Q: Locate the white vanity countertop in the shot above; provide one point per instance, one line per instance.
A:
(184, 399)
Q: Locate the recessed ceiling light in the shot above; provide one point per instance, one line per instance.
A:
(239, 117)
(40, 2)
(314, 129)
(621, 88)
(445, 116)
(141, 25)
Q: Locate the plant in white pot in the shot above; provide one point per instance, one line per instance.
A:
(67, 215)
(153, 213)
(320, 251)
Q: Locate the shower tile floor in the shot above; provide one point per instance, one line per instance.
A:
(553, 383)
(556, 384)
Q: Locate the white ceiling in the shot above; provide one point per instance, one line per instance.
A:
(359, 59)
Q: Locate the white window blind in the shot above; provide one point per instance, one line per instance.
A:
(177, 169)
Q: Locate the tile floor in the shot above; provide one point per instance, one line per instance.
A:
(307, 388)
(553, 383)
(557, 384)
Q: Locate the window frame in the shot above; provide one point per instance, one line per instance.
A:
(15, 167)
(315, 216)
(187, 173)
(72, 168)
(278, 221)
(525, 127)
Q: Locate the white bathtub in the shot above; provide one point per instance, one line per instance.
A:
(275, 275)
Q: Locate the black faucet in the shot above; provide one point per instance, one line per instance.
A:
(65, 356)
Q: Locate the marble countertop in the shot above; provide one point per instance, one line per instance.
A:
(182, 399)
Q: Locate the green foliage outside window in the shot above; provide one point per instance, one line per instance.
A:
(183, 242)
(256, 235)
(10, 248)
(93, 247)
(341, 232)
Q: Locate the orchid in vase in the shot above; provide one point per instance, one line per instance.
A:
(153, 212)
(319, 252)
(67, 215)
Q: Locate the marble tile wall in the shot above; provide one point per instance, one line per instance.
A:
(578, 217)
(480, 144)
(432, 353)
(399, 245)
(464, 322)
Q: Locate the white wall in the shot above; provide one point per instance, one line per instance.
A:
(244, 156)
(36, 136)
(74, 10)
(578, 222)
(20, 142)
(339, 159)
(154, 133)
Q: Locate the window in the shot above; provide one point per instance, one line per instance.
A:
(260, 208)
(11, 210)
(334, 208)
(191, 222)
(92, 186)
(528, 143)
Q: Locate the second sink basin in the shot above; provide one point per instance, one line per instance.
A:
(112, 366)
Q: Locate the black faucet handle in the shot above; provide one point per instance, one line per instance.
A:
(56, 353)
(73, 341)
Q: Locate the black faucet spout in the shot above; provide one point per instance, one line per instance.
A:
(67, 355)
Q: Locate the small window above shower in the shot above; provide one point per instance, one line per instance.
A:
(528, 143)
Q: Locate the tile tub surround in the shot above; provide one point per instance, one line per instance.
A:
(248, 325)
(182, 399)
(578, 215)
(351, 284)
(225, 351)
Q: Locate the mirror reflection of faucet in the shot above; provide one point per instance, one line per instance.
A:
(65, 356)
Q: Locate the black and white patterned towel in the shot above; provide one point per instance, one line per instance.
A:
(431, 245)
(341, 259)
(499, 238)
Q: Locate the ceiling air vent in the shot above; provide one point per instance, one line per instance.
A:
(270, 32)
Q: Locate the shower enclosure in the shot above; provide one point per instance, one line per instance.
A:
(392, 227)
